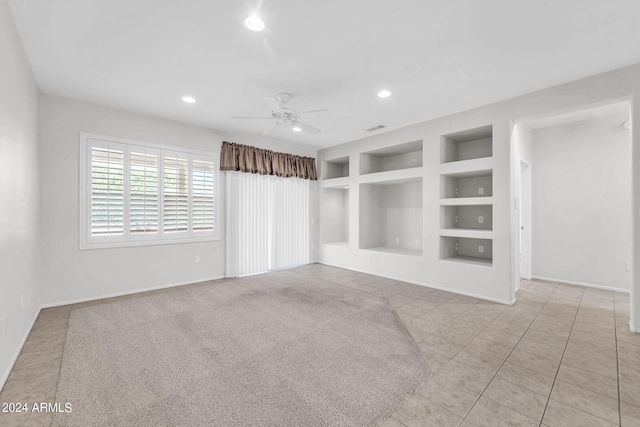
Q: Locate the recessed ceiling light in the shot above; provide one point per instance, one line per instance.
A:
(296, 129)
(384, 93)
(188, 99)
(254, 23)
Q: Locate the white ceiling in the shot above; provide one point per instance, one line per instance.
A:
(437, 57)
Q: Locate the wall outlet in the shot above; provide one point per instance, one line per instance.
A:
(397, 240)
(197, 259)
(628, 266)
(481, 219)
(481, 249)
(481, 191)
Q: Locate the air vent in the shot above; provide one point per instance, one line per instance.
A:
(375, 128)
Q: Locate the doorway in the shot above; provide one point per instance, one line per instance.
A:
(525, 219)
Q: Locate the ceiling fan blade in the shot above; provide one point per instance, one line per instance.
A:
(273, 105)
(271, 129)
(312, 111)
(307, 128)
(251, 117)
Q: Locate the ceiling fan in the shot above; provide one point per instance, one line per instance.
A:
(284, 116)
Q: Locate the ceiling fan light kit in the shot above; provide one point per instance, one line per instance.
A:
(284, 116)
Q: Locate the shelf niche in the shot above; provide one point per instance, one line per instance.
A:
(467, 217)
(391, 217)
(467, 185)
(335, 208)
(467, 250)
(336, 168)
(401, 156)
(466, 145)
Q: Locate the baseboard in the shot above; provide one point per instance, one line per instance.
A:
(136, 291)
(586, 285)
(5, 375)
(428, 285)
(631, 328)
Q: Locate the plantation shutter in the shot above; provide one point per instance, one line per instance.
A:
(175, 193)
(202, 202)
(143, 192)
(107, 189)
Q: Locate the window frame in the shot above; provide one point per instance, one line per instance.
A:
(127, 239)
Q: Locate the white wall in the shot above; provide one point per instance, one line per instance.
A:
(581, 204)
(19, 259)
(71, 274)
(522, 140)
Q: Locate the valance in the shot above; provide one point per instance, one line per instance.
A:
(239, 157)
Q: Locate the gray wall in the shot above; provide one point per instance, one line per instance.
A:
(581, 202)
(19, 176)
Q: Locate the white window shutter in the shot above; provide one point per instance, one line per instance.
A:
(175, 200)
(203, 192)
(143, 192)
(106, 190)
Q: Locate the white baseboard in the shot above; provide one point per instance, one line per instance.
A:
(5, 375)
(428, 285)
(135, 291)
(631, 328)
(586, 285)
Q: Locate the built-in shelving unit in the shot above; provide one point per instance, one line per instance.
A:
(466, 250)
(336, 168)
(466, 196)
(396, 157)
(335, 216)
(391, 217)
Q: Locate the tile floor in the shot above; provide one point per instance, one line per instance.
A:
(561, 356)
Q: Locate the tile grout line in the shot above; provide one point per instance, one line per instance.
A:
(505, 361)
(562, 358)
(615, 334)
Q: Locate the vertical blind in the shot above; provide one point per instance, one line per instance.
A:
(267, 223)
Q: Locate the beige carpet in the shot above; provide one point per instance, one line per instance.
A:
(276, 349)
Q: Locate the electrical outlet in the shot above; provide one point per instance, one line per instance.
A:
(457, 246)
(628, 266)
(197, 259)
(481, 249)
(481, 219)
(481, 191)
(397, 240)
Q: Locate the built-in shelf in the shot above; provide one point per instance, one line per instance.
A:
(342, 182)
(468, 144)
(396, 157)
(394, 177)
(335, 216)
(477, 185)
(468, 168)
(474, 217)
(463, 201)
(335, 168)
(470, 233)
(391, 217)
(400, 251)
(466, 250)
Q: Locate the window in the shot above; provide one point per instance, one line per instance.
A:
(134, 193)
